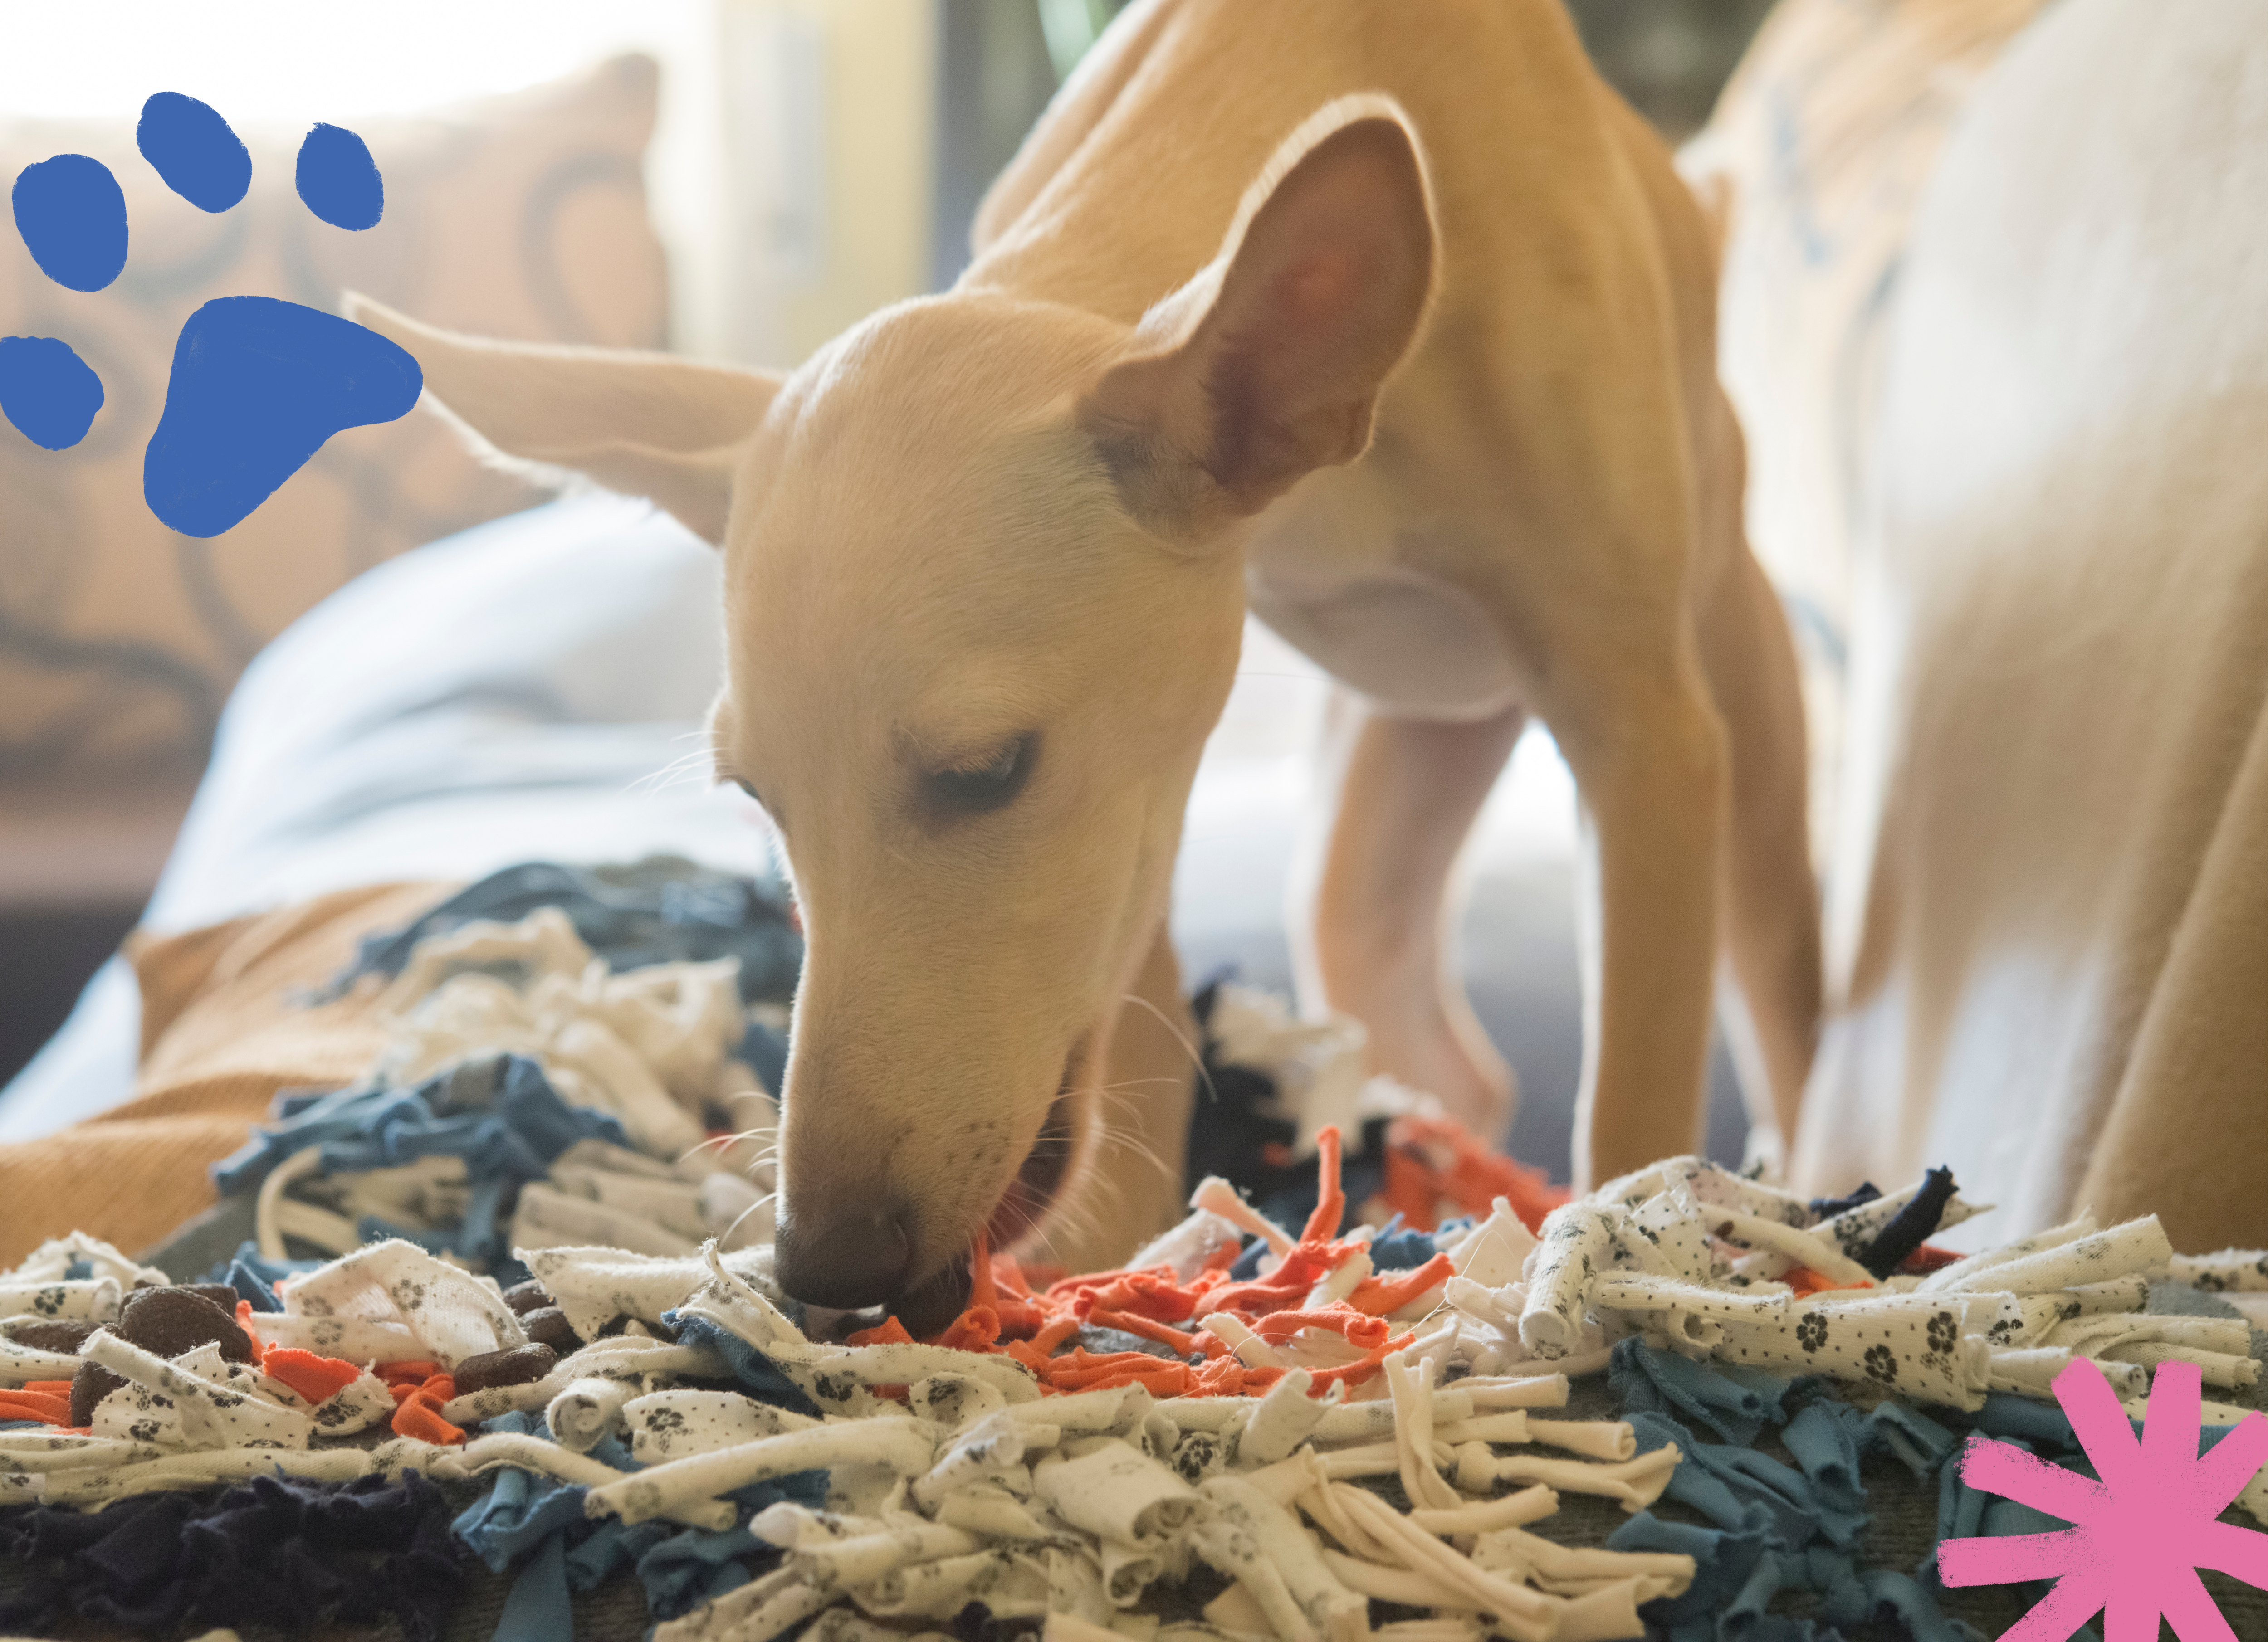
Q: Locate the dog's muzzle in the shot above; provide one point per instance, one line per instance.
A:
(859, 1255)
(846, 1260)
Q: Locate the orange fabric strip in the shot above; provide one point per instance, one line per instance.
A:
(1142, 1328)
(315, 1377)
(50, 1408)
(417, 1411)
(974, 1329)
(1330, 1196)
(1377, 1297)
(1359, 1329)
(891, 1332)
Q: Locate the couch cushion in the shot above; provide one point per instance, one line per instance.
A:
(522, 216)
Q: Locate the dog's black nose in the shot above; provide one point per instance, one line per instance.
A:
(845, 1260)
(941, 1297)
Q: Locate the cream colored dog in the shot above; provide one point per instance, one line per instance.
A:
(1393, 325)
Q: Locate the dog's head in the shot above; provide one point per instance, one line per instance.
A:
(984, 596)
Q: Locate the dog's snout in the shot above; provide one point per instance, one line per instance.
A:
(846, 1260)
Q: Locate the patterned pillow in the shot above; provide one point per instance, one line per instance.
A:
(522, 216)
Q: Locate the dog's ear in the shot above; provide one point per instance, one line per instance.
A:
(1268, 363)
(644, 424)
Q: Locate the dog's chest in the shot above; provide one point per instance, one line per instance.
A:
(1327, 571)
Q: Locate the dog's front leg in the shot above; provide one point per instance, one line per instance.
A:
(1648, 751)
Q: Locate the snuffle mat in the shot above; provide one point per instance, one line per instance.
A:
(500, 1354)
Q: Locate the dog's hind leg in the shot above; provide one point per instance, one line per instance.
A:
(1372, 919)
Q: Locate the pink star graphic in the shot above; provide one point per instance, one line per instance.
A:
(2139, 1535)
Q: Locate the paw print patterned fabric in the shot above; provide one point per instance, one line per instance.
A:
(1699, 1262)
(192, 1401)
(638, 1362)
(396, 1289)
(94, 1299)
(1931, 1350)
(2244, 1271)
(622, 1400)
(956, 1478)
(2239, 1276)
(672, 1424)
(81, 1258)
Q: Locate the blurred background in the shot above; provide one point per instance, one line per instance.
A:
(733, 179)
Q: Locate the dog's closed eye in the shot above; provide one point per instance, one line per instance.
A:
(976, 789)
(749, 787)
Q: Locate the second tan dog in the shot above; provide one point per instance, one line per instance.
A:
(1392, 322)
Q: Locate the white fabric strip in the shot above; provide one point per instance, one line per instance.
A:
(1634, 1483)
(1578, 1245)
(2137, 1246)
(586, 1411)
(84, 1300)
(1243, 1533)
(901, 1445)
(204, 1414)
(1956, 1275)
(2244, 1270)
(1116, 1492)
(1513, 1510)
(20, 1365)
(673, 1423)
(48, 1263)
(630, 1358)
(450, 1314)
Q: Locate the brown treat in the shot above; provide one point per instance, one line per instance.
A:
(519, 1365)
(529, 1296)
(53, 1334)
(548, 1326)
(88, 1386)
(220, 1293)
(167, 1322)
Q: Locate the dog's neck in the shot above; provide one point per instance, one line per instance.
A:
(1113, 226)
(1077, 249)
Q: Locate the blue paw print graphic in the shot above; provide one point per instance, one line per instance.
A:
(258, 383)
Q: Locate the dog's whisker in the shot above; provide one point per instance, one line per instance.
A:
(1188, 1049)
(677, 768)
(683, 761)
(720, 1142)
(1128, 1143)
(744, 1213)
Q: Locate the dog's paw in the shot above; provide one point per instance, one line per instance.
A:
(258, 385)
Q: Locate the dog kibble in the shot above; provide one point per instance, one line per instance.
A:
(521, 1366)
(88, 1386)
(528, 1296)
(56, 1334)
(548, 1326)
(169, 1321)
